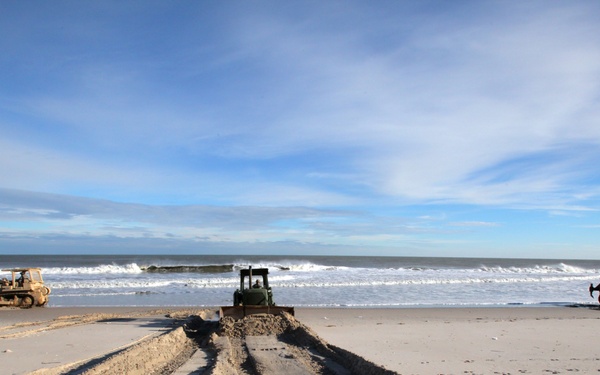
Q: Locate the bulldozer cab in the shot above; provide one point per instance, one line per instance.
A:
(254, 272)
(22, 278)
(255, 294)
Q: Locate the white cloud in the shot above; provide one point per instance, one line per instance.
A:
(40, 216)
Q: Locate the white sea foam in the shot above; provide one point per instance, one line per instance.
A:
(131, 268)
(559, 268)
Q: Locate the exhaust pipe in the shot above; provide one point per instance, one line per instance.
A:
(250, 277)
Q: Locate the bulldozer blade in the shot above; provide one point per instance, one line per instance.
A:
(239, 312)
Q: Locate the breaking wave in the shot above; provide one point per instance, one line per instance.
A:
(546, 269)
(131, 268)
(134, 268)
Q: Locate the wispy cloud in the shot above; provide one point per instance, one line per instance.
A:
(51, 216)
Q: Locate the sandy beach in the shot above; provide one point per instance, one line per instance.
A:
(549, 340)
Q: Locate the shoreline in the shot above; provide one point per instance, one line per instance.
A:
(514, 339)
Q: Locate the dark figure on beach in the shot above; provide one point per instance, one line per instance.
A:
(21, 279)
(256, 284)
(592, 288)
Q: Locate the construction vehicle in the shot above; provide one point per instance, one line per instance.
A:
(255, 298)
(24, 289)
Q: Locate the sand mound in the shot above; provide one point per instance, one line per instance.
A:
(257, 325)
(156, 355)
(307, 349)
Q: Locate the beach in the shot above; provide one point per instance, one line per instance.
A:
(466, 341)
(507, 340)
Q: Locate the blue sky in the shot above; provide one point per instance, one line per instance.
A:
(404, 128)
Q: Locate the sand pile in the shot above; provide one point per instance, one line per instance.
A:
(288, 338)
(156, 355)
(257, 325)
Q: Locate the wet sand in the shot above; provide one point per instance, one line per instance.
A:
(407, 341)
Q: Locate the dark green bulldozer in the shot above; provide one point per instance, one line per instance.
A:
(256, 298)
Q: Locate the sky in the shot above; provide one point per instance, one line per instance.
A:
(392, 128)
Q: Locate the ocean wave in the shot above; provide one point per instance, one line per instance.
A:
(218, 268)
(131, 268)
(545, 269)
(560, 268)
(134, 268)
(290, 266)
(311, 267)
(236, 267)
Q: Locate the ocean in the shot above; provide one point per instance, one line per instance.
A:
(312, 281)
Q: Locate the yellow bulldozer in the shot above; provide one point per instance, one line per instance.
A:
(24, 289)
(253, 298)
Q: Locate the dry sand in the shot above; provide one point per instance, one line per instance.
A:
(549, 340)
(552, 340)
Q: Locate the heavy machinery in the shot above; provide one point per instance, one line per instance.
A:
(254, 299)
(24, 289)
